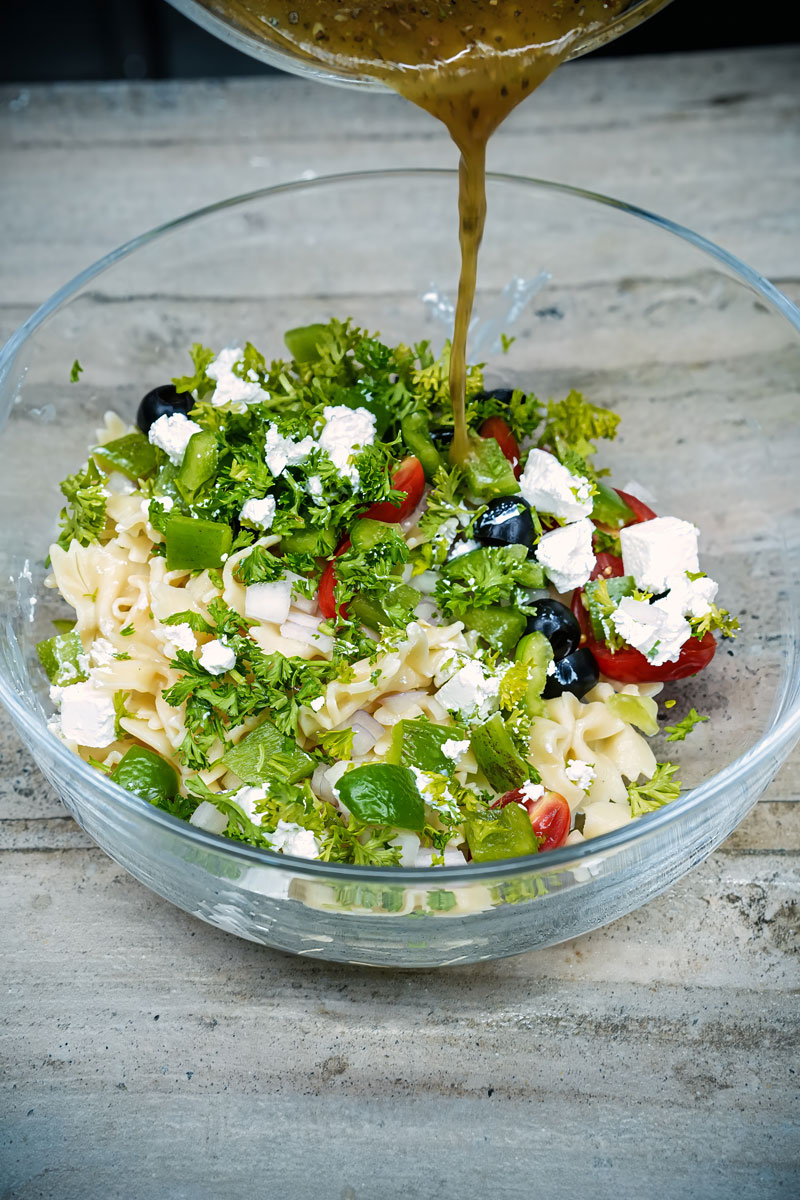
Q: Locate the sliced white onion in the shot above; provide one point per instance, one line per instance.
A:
(426, 610)
(298, 617)
(409, 847)
(207, 816)
(268, 601)
(425, 582)
(302, 633)
(403, 700)
(303, 602)
(320, 785)
(366, 732)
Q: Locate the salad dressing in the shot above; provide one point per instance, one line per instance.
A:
(467, 62)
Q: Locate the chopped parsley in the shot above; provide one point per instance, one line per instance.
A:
(678, 731)
(656, 792)
(83, 517)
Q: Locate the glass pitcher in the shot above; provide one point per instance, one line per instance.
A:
(271, 46)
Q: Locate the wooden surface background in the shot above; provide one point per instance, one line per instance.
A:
(146, 1055)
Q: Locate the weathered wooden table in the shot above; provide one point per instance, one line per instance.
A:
(150, 1056)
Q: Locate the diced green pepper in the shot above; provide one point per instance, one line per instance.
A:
(266, 753)
(509, 835)
(417, 437)
(199, 463)
(303, 342)
(147, 774)
(366, 534)
(418, 743)
(536, 652)
(59, 657)
(383, 794)
(498, 757)
(487, 470)
(194, 543)
(319, 542)
(500, 627)
(397, 599)
(609, 509)
(131, 455)
(636, 710)
(530, 575)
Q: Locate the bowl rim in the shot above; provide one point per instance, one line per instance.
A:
(785, 726)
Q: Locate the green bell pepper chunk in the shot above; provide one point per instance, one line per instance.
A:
(266, 753)
(501, 628)
(536, 652)
(610, 509)
(487, 470)
(416, 434)
(147, 774)
(59, 657)
(194, 543)
(304, 341)
(131, 455)
(199, 463)
(510, 835)
(61, 625)
(418, 743)
(366, 534)
(319, 542)
(375, 614)
(498, 757)
(383, 794)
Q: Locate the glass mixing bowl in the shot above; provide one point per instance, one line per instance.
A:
(699, 354)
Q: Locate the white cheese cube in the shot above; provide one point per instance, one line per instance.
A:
(282, 452)
(171, 433)
(470, 692)
(231, 389)
(217, 657)
(346, 431)
(87, 715)
(656, 552)
(549, 487)
(567, 555)
(655, 630)
(258, 513)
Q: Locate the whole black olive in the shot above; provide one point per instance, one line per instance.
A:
(162, 402)
(502, 394)
(576, 673)
(558, 624)
(506, 522)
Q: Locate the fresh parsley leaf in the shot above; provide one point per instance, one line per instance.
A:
(572, 428)
(199, 382)
(83, 518)
(193, 619)
(678, 731)
(75, 372)
(715, 618)
(259, 566)
(654, 793)
(337, 743)
(127, 631)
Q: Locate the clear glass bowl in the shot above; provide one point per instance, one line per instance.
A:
(699, 354)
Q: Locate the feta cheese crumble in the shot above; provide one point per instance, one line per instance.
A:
(230, 388)
(532, 791)
(258, 512)
(567, 555)
(470, 692)
(549, 487)
(282, 452)
(655, 552)
(580, 773)
(346, 431)
(216, 657)
(455, 749)
(655, 630)
(87, 715)
(171, 433)
(175, 637)
(289, 838)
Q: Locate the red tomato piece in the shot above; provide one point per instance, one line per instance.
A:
(630, 666)
(638, 507)
(409, 478)
(327, 583)
(550, 816)
(497, 428)
(608, 566)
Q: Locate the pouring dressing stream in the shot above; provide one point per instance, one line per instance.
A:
(466, 62)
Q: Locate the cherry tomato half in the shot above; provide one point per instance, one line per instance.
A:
(409, 478)
(325, 598)
(550, 816)
(497, 428)
(637, 506)
(628, 665)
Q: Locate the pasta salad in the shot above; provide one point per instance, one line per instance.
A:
(298, 624)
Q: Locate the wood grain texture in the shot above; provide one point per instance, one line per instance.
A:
(148, 1055)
